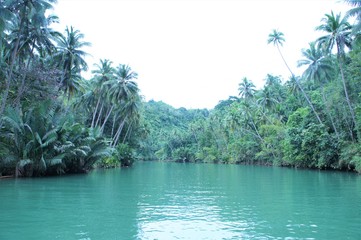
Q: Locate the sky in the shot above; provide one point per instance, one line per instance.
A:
(194, 53)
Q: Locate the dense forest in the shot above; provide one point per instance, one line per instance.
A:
(53, 121)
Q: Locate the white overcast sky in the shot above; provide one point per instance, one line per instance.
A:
(193, 53)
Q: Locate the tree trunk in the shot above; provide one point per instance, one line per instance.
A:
(9, 76)
(99, 115)
(329, 112)
(117, 134)
(346, 95)
(300, 87)
(106, 118)
(128, 130)
(95, 113)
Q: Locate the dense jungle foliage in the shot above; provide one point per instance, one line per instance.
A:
(53, 121)
(308, 121)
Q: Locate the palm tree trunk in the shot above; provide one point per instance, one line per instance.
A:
(329, 112)
(99, 115)
(259, 135)
(128, 131)
(113, 125)
(95, 113)
(22, 86)
(10, 74)
(300, 87)
(346, 94)
(106, 118)
(117, 134)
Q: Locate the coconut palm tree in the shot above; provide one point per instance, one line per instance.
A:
(34, 45)
(25, 16)
(123, 85)
(123, 93)
(319, 68)
(71, 58)
(246, 89)
(104, 72)
(266, 98)
(277, 38)
(355, 12)
(338, 34)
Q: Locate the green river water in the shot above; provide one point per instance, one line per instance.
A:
(155, 200)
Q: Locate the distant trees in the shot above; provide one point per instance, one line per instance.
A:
(310, 121)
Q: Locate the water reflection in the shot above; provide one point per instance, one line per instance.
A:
(187, 210)
(183, 201)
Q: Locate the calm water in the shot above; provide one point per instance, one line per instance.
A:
(183, 201)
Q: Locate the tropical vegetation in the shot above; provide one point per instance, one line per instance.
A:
(307, 121)
(53, 121)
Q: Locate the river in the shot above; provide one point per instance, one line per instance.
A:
(157, 200)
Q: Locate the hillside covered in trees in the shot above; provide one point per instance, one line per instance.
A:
(53, 121)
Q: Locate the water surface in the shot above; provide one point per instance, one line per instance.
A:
(155, 200)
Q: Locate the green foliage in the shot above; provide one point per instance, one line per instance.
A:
(44, 141)
(122, 156)
(350, 157)
(52, 121)
(273, 136)
(308, 144)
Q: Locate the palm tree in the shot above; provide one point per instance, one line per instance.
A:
(266, 98)
(277, 38)
(121, 89)
(103, 73)
(355, 12)
(338, 33)
(71, 58)
(128, 113)
(319, 68)
(35, 43)
(122, 86)
(26, 17)
(5, 17)
(246, 89)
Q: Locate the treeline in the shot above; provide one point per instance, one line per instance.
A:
(52, 121)
(311, 121)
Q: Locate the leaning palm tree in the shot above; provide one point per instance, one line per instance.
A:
(104, 72)
(277, 38)
(319, 68)
(338, 34)
(120, 89)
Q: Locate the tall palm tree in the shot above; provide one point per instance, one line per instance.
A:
(123, 84)
(104, 72)
(319, 68)
(26, 16)
(128, 113)
(246, 89)
(71, 58)
(121, 89)
(338, 34)
(277, 38)
(35, 43)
